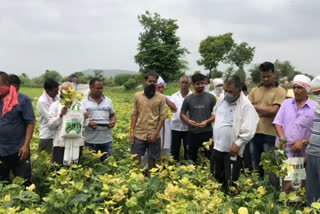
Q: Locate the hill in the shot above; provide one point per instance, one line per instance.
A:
(108, 72)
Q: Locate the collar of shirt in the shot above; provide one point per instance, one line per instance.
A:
(89, 98)
(307, 103)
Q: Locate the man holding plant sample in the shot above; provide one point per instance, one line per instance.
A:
(66, 143)
(101, 119)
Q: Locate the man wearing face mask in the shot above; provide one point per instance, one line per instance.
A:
(148, 116)
(313, 150)
(199, 106)
(206, 84)
(16, 129)
(218, 87)
(235, 124)
(266, 99)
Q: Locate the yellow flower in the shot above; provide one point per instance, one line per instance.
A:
(31, 187)
(7, 198)
(261, 191)
(243, 210)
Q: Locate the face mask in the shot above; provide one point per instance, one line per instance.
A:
(230, 98)
(150, 91)
(206, 88)
(218, 90)
(4, 90)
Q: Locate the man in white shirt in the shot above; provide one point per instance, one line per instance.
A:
(179, 129)
(235, 124)
(101, 119)
(51, 89)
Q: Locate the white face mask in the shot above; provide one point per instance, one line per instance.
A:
(218, 90)
(206, 88)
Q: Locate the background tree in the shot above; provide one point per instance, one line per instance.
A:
(25, 80)
(285, 69)
(213, 50)
(51, 75)
(241, 55)
(255, 73)
(98, 74)
(159, 47)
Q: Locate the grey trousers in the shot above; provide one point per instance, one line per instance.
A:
(313, 179)
(46, 145)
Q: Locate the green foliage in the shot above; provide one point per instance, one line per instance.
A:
(241, 74)
(131, 84)
(241, 55)
(159, 47)
(285, 69)
(255, 73)
(228, 72)
(51, 75)
(215, 49)
(121, 79)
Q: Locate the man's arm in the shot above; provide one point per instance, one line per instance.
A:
(171, 105)
(112, 120)
(184, 117)
(267, 111)
(279, 131)
(25, 149)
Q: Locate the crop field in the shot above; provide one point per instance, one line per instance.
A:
(119, 186)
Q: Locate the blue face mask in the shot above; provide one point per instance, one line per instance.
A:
(230, 97)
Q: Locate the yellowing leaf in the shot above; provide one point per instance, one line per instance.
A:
(7, 198)
(31, 187)
(243, 210)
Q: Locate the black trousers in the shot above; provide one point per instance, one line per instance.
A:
(177, 136)
(223, 169)
(21, 168)
(195, 141)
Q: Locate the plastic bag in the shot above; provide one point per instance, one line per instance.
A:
(72, 123)
(295, 179)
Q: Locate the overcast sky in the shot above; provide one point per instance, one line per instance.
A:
(73, 35)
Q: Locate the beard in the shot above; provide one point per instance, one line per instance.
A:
(150, 91)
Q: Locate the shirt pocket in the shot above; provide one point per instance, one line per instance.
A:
(304, 121)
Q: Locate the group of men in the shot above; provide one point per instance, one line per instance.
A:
(240, 127)
(17, 123)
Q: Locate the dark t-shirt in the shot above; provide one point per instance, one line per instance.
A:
(13, 126)
(199, 108)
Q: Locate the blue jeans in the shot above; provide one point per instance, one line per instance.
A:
(313, 178)
(260, 143)
(104, 147)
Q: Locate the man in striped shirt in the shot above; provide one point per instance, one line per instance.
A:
(313, 150)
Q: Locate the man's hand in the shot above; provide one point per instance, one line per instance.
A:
(234, 150)
(86, 115)
(193, 123)
(298, 146)
(203, 124)
(152, 138)
(93, 125)
(112, 123)
(131, 137)
(24, 152)
(63, 111)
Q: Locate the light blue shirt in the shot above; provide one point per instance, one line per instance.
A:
(100, 114)
(223, 126)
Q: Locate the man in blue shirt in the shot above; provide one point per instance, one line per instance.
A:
(16, 129)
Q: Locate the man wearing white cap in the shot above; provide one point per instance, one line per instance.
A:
(313, 150)
(218, 87)
(294, 118)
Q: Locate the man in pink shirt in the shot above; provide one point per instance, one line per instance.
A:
(295, 116)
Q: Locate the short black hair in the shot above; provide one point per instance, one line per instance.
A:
(151, 74)
(198, 77)
(234, 80)
(266, 66)
(70, 78)
(93, 81)
(50, 84)
(14, 80)
(244, 88)
(4, 77)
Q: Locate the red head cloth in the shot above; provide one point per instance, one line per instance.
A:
(9, 101)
